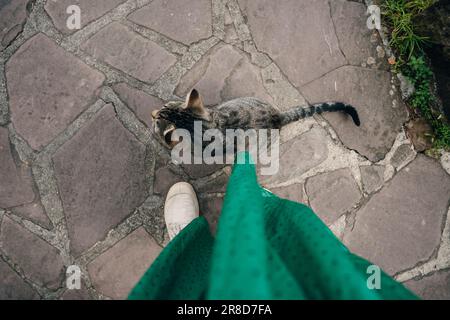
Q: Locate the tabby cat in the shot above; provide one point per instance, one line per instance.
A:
(240, 113)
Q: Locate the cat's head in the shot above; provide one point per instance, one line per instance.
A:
(179, 115)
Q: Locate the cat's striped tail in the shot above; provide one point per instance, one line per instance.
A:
(304, 112)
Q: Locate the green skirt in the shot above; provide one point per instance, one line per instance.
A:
(265, 248)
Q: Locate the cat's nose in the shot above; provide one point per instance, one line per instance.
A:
(155, 114)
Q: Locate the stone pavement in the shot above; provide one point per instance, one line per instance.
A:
(82, 181)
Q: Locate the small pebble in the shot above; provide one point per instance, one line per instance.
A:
(370, 60)
(374, 37)
(380, 52)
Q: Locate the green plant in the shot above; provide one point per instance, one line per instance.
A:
(400, 15)
(418, 70)
(421, 76)
(443, 134)
(408, 44)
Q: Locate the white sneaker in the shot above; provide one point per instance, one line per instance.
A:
(181, 208)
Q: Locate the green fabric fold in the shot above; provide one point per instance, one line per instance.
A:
(265, 248)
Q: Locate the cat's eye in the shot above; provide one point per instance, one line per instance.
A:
(168, 138)
(168, 134)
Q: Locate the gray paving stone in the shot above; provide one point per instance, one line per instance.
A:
(245, 81)
(90, 11)
(293, 192)
(12, 18)
(368, 91)
(77, 294)
(223, 74)
(210, 208)
(432, 287)
(372, 178)
(101, 174)
(127, 51)
(16, 185)
(34, 212)
(402, 154)
(164, 179)
(201, 170)
(297, 34)
(48, 88)
(12, 287)
(116, 271)
(140, 102)
(217, 185)
(357, 42)
(39, 261)
(208, 76)
(183, 21)
(401, 225)
(299, 155)
(332, 194)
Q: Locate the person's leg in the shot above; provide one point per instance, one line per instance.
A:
(318, 261)
(271, 248)
(181, 270)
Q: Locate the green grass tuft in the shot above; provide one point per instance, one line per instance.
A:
(399, 14)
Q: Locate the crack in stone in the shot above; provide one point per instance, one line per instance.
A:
(226, 81)
(127, 117)
(335, 32)
(170, 45)
(326, 73)
(40, 291)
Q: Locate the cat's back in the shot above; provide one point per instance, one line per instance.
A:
(248, 103)
(247, 112)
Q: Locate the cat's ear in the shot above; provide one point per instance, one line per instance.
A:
(195, 103)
